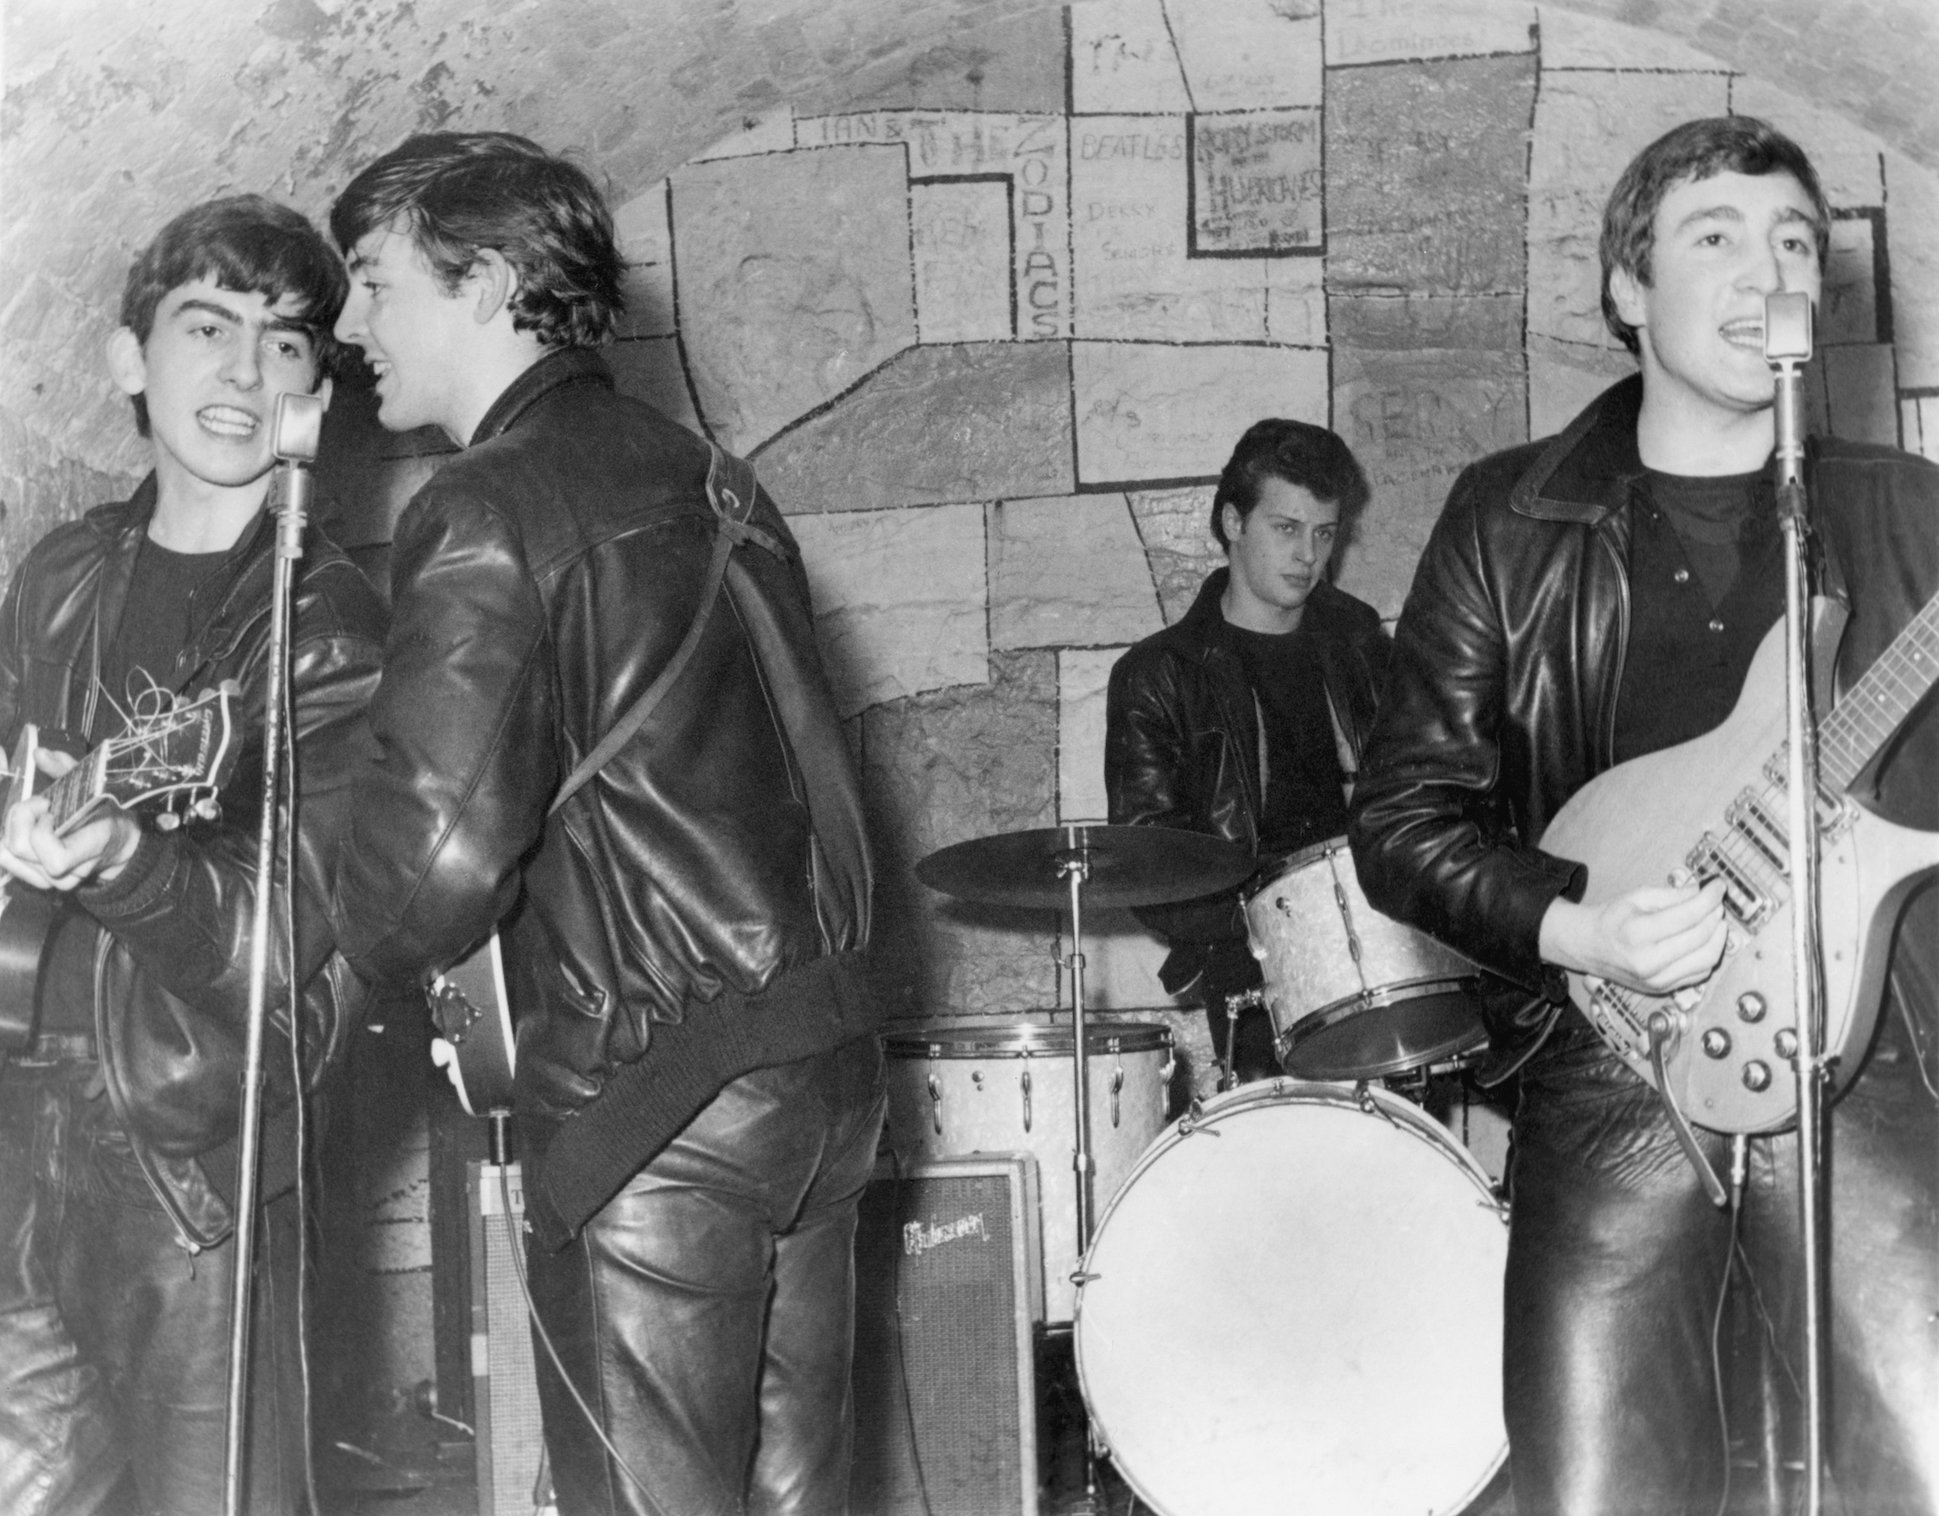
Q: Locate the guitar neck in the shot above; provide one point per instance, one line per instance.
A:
(1874, 708)
(73, 795)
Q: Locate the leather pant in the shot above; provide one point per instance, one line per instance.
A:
(114, 1340)
(1616, 1269)
(705, 1316)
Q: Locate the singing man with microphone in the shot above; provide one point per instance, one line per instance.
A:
(119, 1100)
(1591, 598)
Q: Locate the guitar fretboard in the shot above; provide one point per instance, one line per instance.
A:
(1873, 709)
(75, 791)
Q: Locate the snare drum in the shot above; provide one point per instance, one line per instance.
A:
(1295, 1304)
(1354, 994)
(960, 1087)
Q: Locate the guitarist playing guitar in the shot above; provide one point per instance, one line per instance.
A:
(1595, 601)
(118, 1118)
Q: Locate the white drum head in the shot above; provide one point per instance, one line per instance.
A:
(1296, 1306)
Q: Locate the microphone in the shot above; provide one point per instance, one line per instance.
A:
(298, 429)
(1787, 348)
(294, 439)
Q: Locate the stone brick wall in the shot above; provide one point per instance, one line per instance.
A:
(988, 288)
(992, 359)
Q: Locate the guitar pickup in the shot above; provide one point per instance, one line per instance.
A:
(1834, 811)
(1761, 827)
(1748, 905)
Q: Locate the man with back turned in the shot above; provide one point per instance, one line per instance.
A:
(699, 1088)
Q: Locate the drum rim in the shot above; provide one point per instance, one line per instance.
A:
(1398, 1110)
(1362, 1097)
(1349, 1006)
(1024, 1039)
(1313, 852)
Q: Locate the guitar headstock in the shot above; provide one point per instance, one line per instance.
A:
(179, 754)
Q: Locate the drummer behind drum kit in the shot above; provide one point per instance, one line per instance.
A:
(1292, 1298)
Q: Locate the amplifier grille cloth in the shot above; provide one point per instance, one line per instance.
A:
(944, 1388)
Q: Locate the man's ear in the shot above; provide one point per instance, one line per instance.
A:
(494, 282)
(325, 388)
(126, 364)
(1626, 292)
(1231, 520)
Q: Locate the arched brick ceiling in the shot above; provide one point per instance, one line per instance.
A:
(117, 112)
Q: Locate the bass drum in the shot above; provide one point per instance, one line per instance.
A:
(1294, 1304)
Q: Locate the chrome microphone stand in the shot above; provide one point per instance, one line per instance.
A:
(298, 429)
(1787, 347)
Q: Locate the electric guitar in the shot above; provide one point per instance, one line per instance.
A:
(475, 1045)
(1726, 1046)
(180, 755)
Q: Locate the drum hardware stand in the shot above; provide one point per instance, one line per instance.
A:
(1051, 868)
(1246, 1000)
(1074, 868)
(1787, 346)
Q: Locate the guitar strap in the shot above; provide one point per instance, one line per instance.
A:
(730, 491)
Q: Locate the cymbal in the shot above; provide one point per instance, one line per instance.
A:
(1127, 865)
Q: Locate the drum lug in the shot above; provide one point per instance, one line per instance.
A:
(936, 1103)
(1024, 1082)
(1117, 1084)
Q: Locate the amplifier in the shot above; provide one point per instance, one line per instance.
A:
(948, 1290)
(510, 1442)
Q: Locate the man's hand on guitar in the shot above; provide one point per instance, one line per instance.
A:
(97, 850)
(1655, 939)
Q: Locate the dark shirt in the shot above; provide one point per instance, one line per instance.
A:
(1706, 583)
(1305, 799)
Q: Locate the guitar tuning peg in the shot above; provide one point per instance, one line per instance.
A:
(167, 821)
(205, 809)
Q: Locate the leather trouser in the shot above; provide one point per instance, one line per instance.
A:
(705, 1316)
(114, 1340)
(1617, 1265)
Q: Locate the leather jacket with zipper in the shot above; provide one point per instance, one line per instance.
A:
(1509, 655)
(171, 963)
(1182, 740)
(541, 579)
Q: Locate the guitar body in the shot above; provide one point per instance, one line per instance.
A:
(177, 753)
(1705, 808)
(25, 918)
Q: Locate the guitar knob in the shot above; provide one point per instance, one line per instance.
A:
(1757, 1076)
(1716, 1042)
(1786, 1043)
(1751, 1006)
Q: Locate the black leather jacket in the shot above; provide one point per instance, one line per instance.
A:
(540, 581)
(1509, 654)
(1181, 744)
(172, 965)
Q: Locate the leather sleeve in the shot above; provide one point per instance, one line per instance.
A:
(183, 911)
(1434, 843)
(465, 723)
(1147, 763)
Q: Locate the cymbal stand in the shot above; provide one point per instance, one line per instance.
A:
(1074, 867)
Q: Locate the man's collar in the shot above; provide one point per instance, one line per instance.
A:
(565, 365)
(1587, 469)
